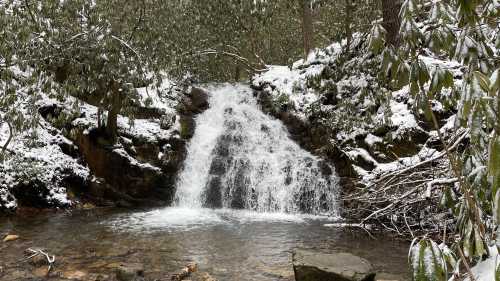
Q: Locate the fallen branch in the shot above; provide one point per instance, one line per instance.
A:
(392, 204)
(430, 160)
(238, 58)
(432, 183)
(352, 225)
(38, 252)
(185, 273)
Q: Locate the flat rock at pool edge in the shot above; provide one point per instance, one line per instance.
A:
(314, 266)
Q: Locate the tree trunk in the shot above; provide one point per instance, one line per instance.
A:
(9, 139)
(99, 117)
(237, 73)
(348, 21)
(391, 22)
(307, 26)
(115, 109)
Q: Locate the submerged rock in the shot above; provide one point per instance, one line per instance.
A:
(10, 237)
(75, 275)
(129, 272)
(313, 266)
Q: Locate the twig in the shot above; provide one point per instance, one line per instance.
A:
(466, 264)
(392, 204)
(237, 57)
(50, 259)
(408, 226)
(432, 183)
(440, 155)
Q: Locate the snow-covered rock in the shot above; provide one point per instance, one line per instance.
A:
(44, 164)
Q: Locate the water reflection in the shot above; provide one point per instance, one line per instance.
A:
(231, 245)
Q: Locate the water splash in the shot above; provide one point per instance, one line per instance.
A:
(241, 158)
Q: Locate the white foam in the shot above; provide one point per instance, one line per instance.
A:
(181, 218)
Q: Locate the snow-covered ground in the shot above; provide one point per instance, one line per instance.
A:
(293, 85)
(290, 83)
(38, 156)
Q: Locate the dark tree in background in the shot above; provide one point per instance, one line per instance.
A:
(307, 26)
(391, 21)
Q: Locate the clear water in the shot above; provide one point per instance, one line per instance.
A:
(266, 193)
(228, 244)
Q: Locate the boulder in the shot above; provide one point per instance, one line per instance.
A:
(35, 193)
(129, 272)
(193, 102)
(314, 266)
(126, 178)
(199, 98)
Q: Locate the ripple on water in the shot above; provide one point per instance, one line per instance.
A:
(180, 218)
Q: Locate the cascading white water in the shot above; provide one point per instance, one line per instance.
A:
(241, 158)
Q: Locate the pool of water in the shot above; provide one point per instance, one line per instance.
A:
(228, 244)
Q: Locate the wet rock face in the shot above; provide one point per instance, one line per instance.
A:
(218, 168)
(191, 104)
(126, 178)
(128, 181)
(313, 266)
(310, 135)
(174, 153)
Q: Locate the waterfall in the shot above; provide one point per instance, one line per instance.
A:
(241, 158)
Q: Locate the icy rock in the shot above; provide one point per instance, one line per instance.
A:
(314, 266)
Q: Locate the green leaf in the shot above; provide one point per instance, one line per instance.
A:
(478, 244)
(496, 208)
(448, 81)
(483, 80)
(423, 73)
(428, 262)
(403, 76)
(494, 163)
(495, 83)
(467, 247)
